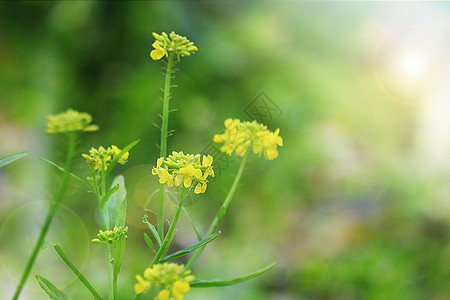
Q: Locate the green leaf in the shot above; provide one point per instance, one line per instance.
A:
(71, 174)
(152, 230)
(117, 212)
(191, 248)
(9, 159)
(198, 283)
(118, 254)
(74, 269)
(188, 215)
(110, 192)
(117, 202)
(117, 157)
(149, 242)
(50, 289)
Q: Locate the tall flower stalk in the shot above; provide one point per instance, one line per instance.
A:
(172, 46)
(69, 123)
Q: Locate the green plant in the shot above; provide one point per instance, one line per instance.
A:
(184, 174)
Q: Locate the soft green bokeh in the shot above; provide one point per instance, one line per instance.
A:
(355, 206)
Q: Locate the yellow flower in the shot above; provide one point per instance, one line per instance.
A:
(172, 43)
(69, 121)
(163, 295)
(179, 288)
(187, 169)
(158, 52)
(239, 136)
(123, 159)
(142, 286)
(171, 278)
(200, 188)
(164, 177)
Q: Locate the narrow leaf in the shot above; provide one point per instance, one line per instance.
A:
(149, 242)
(188, 215)
(74, 269)
(71, 174)
(191, 248)
(53, 292)
(198, 283)
(117, 157)
(9, 159)
(152, 230)
(110, 192)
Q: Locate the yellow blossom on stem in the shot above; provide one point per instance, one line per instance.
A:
(187, 169)
(158, 52)
(166, 44)
(171, 278)
(69, 121)
(239, 136)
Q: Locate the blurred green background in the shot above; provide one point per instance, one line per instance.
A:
(356, 206)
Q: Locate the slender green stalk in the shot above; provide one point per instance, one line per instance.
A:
(164, 134)
(110, 268)
(169, 236)
(106, 224)
(51, 212)
(222, 211)
(80, 276)
(137, 297)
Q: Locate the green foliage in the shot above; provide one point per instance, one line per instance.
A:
(50, 289)
(9, 159)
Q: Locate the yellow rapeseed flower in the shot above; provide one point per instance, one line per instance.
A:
(172, 280)
(179, 288)
(239, 136)
(158, 52)
(179, 168)
(70, 121)
(166, 44)
(123, 159)
(163, 295)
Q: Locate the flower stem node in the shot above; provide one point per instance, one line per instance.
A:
(173, 281)
(111, 236)
(239, 136)
(185, 169)
(70, 121)
(171, 44)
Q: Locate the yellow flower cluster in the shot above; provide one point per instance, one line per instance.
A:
(172, 43)
(238, 136)
(69, 121)
(101, 157)
(172, 280)
(110, 236)
(180, 168)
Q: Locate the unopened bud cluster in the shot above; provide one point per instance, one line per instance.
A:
(172, 43)
(111, 236)
(101, 158)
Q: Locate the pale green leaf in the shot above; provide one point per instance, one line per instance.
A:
(11, 158)
(50, 289)
(199, 283)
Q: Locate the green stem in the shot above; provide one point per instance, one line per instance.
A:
(80, 276)
(169, 236)
(110, 268)
(51, 212)
(163, 146)
(137, 297)
(222, 211)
